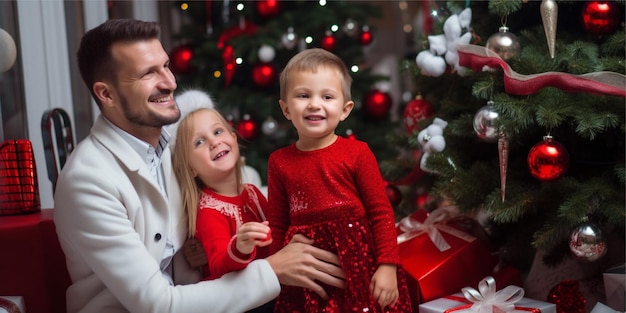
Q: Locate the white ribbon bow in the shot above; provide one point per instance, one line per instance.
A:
(486, 299)
(413, 228)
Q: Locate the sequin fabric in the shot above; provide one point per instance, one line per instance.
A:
(335, 196)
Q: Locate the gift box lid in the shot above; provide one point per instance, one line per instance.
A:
(12, 304)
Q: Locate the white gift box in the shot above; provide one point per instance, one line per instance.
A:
(12, 304)
(601, 308)
(453, 306)
(487, 300)
(615, 287)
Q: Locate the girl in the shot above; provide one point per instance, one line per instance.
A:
(330, 189)
(225, 214)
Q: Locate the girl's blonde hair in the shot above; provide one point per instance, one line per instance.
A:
(312, 59)
(191, 186)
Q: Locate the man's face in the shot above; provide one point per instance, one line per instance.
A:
(143, 93)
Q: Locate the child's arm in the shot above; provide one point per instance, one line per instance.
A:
(384, 282)
(277, 212)
(216, 232)
(379, 211)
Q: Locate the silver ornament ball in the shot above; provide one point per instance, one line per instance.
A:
(289, 39)
(485, 123)
(269, 126)
(587, 242)
(350, 28)
(504, 43)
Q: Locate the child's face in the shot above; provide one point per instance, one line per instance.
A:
(314, 103)
(213, 148)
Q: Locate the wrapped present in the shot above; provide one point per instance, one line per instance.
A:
(601, 308)
(12, 304)
(615, 287)
(487, 300)
(440, 258)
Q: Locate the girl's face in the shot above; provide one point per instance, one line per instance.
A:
(314, 103)
(214, 151)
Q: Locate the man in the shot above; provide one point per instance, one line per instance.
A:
(117, 205)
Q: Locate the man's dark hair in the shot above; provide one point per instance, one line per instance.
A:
(95, 61)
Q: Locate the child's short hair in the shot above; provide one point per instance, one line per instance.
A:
(312, 59)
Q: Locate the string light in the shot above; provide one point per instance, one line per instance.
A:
(322, 3)
(308, 39)
(240, 7)
(354, 68)
(334, 28)
(184, 6)
(217, 74)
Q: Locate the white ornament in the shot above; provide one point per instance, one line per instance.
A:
(266, 53)
(430, 65)
(431, 140)
(8, 51)
(455, 28)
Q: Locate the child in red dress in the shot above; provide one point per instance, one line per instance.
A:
(330, 189)
(225, 214)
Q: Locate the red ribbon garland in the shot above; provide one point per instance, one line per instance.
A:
(228, 54)
(600, 83)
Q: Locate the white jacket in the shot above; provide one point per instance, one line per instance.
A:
(112, 223)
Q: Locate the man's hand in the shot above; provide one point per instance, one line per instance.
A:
(300, 264)
(194, 253)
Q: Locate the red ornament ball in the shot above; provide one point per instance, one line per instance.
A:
(376, 104)
(329, 42)
(181, 59)
(350, 134)
(263, 74)
(394, 194)
(421, 201)
(366, 37)
(415, 111)
(247, 128)
(601, 18)
(268, 8)
(548, 160)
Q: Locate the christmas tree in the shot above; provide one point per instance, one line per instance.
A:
(235, 51)
(533, 121)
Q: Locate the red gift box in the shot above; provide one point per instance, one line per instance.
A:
(439, 257)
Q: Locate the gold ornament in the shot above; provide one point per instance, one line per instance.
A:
(549, 14)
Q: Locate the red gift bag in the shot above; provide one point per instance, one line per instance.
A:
(19, 190)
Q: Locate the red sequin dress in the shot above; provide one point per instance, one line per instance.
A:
(218, 219)
(336, 196)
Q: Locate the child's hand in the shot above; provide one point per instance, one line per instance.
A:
(384, 285)
(194, 252)
(253, 234)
